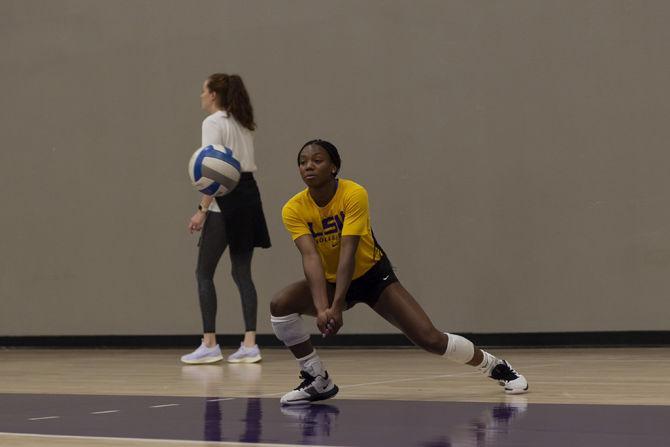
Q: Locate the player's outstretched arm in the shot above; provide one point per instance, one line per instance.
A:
(311, 264)
(345, 271)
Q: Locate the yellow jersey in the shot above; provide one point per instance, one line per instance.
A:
(347, 214)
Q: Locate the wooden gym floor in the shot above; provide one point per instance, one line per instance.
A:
(108, 397)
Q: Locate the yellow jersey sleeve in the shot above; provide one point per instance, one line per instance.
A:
(293, 223)
(356, 210)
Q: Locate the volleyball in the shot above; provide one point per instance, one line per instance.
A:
(213, 170)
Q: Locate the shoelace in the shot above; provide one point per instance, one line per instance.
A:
(308, 379)
(504, 372)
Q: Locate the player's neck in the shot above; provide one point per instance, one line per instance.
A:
(324, 193)
(213, 108)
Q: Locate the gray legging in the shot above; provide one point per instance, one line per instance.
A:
(212, 245)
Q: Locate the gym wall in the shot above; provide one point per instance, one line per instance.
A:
(515, 155)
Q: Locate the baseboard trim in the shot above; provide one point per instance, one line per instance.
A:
(506, 340)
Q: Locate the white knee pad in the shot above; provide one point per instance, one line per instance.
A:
(289, 329)
(459, 349)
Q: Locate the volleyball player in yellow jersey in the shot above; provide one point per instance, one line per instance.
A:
(344, 265)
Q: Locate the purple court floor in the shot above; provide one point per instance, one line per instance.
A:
(337, 422)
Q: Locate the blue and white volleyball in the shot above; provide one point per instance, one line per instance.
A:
(213, 170)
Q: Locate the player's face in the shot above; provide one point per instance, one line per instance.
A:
(316, 167)
(207, 98)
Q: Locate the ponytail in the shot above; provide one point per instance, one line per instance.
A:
(233, 97)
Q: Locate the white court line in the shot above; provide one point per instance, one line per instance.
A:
(222, 399)
(409, 379)
(43, 418)
(155, 440)
(414, 379)
(165, 405)
(105, 412)
(618, 359)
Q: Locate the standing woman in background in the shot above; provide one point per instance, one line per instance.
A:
(235, 220)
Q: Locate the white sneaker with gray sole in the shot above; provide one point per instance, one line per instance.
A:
(203, 355)
(245, 355)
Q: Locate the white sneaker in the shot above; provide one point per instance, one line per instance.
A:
(312, 389)
(203, 355)
(245, 355)
(507, 377)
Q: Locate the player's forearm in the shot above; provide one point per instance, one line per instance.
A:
(317, 281)
(205, 201)
(345, 271)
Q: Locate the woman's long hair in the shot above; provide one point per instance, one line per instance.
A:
(233, 97)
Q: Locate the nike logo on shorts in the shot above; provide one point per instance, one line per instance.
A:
(385, 277)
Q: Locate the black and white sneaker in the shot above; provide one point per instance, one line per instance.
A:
(311, 389)
(507, 377)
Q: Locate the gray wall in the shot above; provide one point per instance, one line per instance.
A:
(515, 154)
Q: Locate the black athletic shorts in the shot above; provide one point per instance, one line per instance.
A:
(367, 288)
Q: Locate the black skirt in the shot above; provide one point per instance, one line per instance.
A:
(243, 216)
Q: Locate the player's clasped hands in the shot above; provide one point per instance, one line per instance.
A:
(329, 321)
